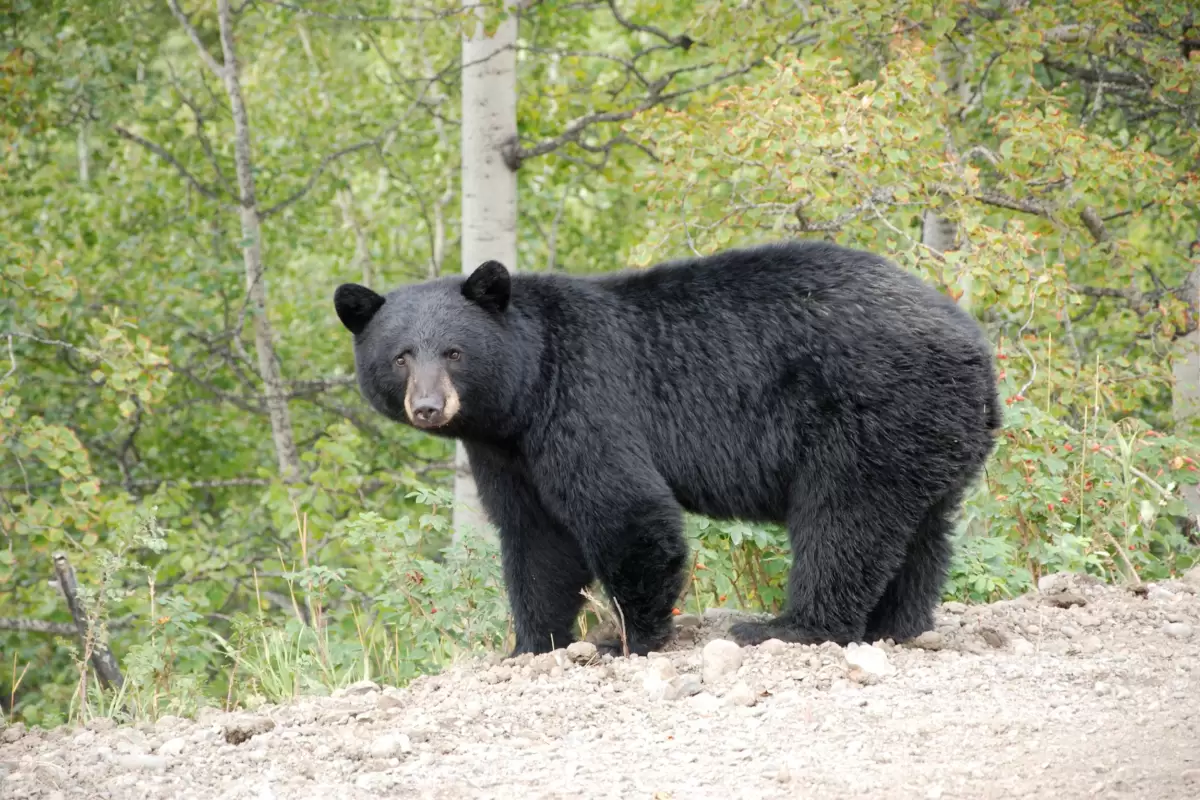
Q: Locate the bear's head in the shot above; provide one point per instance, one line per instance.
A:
(438, 355)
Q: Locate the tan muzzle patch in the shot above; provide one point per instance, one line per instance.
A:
(447, 394)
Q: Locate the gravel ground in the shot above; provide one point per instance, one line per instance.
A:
(1075, 691)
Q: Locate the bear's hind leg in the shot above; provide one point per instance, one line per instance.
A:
(906, 609)
(845, 549)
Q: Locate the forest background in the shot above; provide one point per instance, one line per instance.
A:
(183, 184)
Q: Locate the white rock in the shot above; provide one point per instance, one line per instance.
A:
(1178, 630)
(1159, 594)
(83, 738)
(361, 687)
(741, 695)
(684, 686)
(706, 703)
(773, 647)
(657, 678)
(172, 747)
(930, 640)
(1054, 582)
(141, 761)
(390, 744)
(869, 658)
(719, 658)
(167, 722)
(581, 652)
(662, 669)
(1192, 577)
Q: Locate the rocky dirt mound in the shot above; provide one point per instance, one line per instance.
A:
(1076, 691)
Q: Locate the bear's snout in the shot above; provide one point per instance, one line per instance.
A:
(431, 399)
(428, 412)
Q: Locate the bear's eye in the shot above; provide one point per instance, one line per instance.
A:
(402, 359)
(454, 354)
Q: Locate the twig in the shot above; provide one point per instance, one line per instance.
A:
(683, 41)
(158, 150)
(619, 617)
(217, 68)
(12, 358)
(312, 179)
(37, 626)
(1020, 339)
(429, 17)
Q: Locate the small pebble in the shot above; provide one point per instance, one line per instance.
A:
(141, 761)
(172, 747)
(361, 687)
(243, 728)
(581, 652)
(930, 640)
(390, 744)
(719, 658)
(1178, 630)
(773, 647)
(741, 695)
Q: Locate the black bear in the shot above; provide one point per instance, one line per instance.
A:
(797, 382)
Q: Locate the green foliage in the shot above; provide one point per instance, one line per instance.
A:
(133, 428)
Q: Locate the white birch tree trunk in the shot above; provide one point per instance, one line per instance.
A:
(489, 189)
(275, 393)
(939, 233)
(1186, 394)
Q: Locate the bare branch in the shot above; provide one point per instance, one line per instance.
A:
(316, 174)
(1095, 225)
(655, 96)
(202, 188)
(1067, 34)
(94, 648)
(36, 626)
(682, 41)
(384, 479)
(210, 61)
(1097, 76)
(205, 144)
(994, 198)
(429, 16)
(12, 358)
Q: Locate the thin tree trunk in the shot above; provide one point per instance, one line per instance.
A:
(939, 233)
(437, 258)
(1186, 396)
(489, 188)
(256, 286)
(84, 151)
(95, 648)
(362, 248)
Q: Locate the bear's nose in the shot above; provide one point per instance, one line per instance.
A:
(427, 411)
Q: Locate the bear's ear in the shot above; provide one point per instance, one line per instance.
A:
(488, 286)
(356, 306)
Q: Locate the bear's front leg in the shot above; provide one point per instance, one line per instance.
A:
(545, 570)
(630, 529)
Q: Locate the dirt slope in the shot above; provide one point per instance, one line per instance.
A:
(1021, 699)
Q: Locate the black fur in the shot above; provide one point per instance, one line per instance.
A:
(797, 382)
